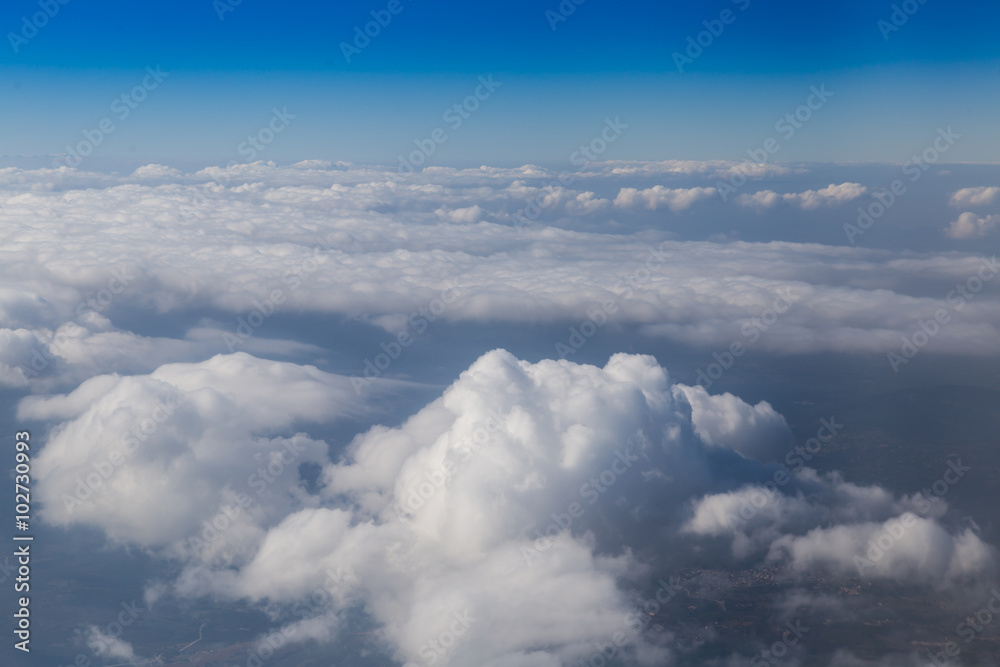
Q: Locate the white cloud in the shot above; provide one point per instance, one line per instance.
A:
(467, 215)
(971, 226)
(344, 239)
(723, 420)
(519, 501)
(148, 458)
(109, 646)
(722, 169)
(468, 546)
(832, 195)
(981, 196)
(155, 172)
(905, 547)
(852, 530)
(676, 199)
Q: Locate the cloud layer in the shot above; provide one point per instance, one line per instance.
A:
(364, 242)
(509, 522)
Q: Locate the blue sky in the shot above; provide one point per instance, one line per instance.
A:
(606, 59)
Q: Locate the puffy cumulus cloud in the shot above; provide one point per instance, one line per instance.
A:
(763, 199)
(467, 215)
(109, 646)
(905, 547)
(709, 168)
(442, 525)
(832, 195)
(981, 196)
(658, 196)
(754, 516)
(347, 239)
(971, 226)
(848, 529)
(586, 203)
(723, 420)
(553, 198)
(155, 172)
(508, 522)
(444, 511)
(149, 458)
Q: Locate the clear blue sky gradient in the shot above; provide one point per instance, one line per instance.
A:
(941, 67)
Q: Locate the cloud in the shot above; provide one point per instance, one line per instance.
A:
(515, 514)
(148, 459)
(981, 196)
(971, 226)
(722, 169)
(467, 215)
(832, 195)
(905, 547)
(851, 530)
(155, 172)
(363, 242)
(723, 420)
(462, 550)
(109, 646)
(676, 199)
